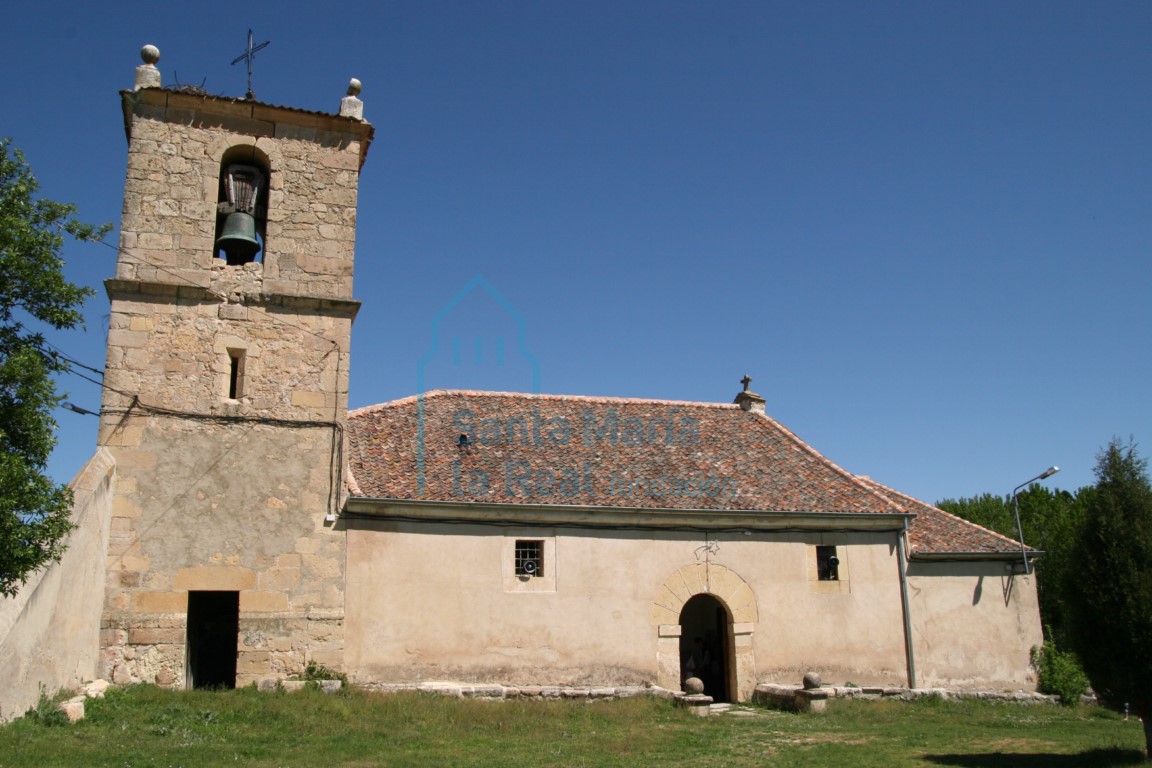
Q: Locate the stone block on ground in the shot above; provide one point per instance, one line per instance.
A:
(95, 689)
(697, 704)
(73, 708)
(811, 700)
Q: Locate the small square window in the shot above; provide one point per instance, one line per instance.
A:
(529, 558)
(827, 564)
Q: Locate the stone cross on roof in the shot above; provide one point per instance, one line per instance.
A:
(749, 400)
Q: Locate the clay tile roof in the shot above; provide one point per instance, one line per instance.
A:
(594, 451)
(935, 531)
(620, 452)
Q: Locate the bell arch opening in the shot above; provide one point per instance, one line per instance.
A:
(242, 205)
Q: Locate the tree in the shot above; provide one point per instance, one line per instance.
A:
(988, 510)
(34, 512)
(1110, 588)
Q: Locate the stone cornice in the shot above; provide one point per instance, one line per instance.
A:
(251, 118)
(143, 290)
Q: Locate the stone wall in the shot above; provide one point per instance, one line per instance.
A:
(226, 387)
(171, 347)
(49, 631)
(177, 144)
(234, 509)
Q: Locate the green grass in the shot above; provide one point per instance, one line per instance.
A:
(144, 726)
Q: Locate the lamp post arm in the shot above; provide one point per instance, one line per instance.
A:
(1016, 511)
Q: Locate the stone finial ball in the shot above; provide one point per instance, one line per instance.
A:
(150, 54)
(354, 87)
(812, 680)
(694, 686)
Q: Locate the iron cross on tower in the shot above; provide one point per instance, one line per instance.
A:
(248, 55)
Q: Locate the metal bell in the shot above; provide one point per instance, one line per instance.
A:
(238, 238)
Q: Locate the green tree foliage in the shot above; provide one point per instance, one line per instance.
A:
(34, 512)
(1111, 587)
(988, 510)
(1060, 673)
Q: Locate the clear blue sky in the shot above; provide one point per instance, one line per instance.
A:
(924, 228)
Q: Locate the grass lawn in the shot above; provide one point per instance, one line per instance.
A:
(143, 726)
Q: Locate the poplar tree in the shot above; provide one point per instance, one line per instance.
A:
(1111, 584)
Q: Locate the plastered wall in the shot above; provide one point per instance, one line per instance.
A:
(434, 601)
(973, 624)
(49, 631)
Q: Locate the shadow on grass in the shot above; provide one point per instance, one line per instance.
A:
(1093, 758)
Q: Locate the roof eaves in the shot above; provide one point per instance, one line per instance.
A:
(613, 517)
(971, 556)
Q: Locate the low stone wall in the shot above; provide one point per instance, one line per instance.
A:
(489, 691)
(50, 631)
(785, 696)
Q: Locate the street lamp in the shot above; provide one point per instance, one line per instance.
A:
(1016, 509)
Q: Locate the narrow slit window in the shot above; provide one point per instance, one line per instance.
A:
(827, 564)
(235, 374)
(529, 558)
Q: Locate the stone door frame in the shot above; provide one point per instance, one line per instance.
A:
(735, 594)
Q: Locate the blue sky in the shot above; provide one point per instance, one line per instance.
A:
(924, 228)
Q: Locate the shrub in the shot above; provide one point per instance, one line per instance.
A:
(314, 672)
(46, 711)
(1060, 673)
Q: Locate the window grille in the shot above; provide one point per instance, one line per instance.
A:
(529, 558)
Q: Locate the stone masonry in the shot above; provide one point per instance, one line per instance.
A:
(226, 476)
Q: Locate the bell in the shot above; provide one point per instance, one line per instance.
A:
(238, 238)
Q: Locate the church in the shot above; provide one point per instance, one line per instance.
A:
(248, 524)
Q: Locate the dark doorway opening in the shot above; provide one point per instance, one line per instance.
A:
(706, 648)
(213, 626)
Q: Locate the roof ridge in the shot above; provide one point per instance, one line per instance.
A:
(437, 393)
(855, 479)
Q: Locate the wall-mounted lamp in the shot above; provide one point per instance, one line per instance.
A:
(1016, 510)
(77, 409)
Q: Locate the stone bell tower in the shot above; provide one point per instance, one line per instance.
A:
(226, 386)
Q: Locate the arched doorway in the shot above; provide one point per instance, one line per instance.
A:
(725, 588)
(706, 649)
